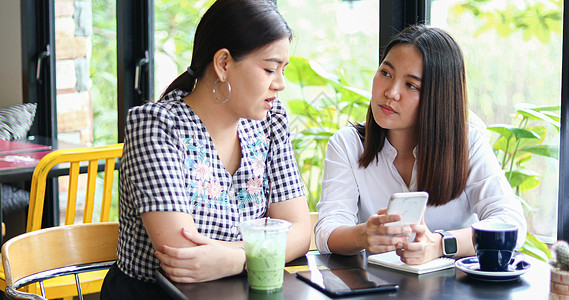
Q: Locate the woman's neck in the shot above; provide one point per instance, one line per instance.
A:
(219, 120)
(403, 141)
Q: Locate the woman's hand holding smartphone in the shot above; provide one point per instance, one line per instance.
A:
(403, 209)
(410, 206)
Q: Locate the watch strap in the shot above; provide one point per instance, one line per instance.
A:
(448, 243)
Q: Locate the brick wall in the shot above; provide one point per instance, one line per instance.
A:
(73, 30)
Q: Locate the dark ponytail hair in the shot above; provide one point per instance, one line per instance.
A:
(240, 26)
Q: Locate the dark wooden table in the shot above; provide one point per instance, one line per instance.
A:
(18, 160)
(446, 284)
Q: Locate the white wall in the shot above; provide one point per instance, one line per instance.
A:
(10, 53)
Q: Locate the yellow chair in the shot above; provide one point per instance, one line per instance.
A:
(64, 287)
(72, 249)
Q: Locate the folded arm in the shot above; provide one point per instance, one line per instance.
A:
(187, 256)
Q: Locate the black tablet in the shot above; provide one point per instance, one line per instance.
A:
(338, 282)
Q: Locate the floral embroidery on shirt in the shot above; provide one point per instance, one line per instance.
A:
(254, 186)
(258, 165)
(208, 194)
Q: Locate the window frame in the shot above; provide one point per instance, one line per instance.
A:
(563, 199)
(135, 47)
(38, 35)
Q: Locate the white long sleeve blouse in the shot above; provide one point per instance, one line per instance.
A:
(351, 194)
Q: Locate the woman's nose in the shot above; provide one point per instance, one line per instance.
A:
(392, 92)
(279, 83)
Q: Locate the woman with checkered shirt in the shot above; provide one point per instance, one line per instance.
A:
(201, 159)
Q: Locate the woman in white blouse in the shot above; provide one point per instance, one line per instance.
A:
(416, 138)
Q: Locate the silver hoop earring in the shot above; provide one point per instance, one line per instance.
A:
(228, 92)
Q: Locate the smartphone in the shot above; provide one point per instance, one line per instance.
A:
(337, 282)
(410, 206)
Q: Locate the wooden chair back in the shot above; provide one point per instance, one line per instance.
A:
(38, 255)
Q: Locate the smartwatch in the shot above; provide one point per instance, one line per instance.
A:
(449, 244)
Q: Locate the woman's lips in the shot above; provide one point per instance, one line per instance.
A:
(268, 102)
(386, 109)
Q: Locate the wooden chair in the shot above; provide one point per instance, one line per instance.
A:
(76, 159)
(48, 253)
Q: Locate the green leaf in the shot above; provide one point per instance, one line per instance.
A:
(316, 67)
(529, 184)
(521, 157)
(551, 151)
(501, 144)
(536, 248)
(301, 107)
(507, 131)
(554, 116)
(317, 133)
(540, 108)
(536, 115)
(353, 95)
(299, 72)
(520, 176)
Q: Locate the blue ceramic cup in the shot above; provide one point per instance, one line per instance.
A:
(494, 244)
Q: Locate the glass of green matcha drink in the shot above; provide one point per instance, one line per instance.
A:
(265, 247)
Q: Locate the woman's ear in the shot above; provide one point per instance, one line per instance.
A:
(221, 59)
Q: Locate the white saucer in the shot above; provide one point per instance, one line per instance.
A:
(470, 266)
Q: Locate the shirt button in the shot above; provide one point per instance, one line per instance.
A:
(234, 229)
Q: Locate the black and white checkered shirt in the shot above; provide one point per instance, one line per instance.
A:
(170, 164)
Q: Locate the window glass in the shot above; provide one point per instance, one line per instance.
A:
(513, 60)
(86, 80)
(334, 55)
(175, 24)
(340, 39)
(86, 75)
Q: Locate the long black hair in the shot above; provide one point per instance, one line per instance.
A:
(240, 26)
(442, 142)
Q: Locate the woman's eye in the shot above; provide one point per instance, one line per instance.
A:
(270, 71)
(412, 86)
(385, 73)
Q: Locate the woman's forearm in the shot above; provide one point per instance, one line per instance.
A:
(296, 212)
(298, 241)
(346, 240)
(464, 241)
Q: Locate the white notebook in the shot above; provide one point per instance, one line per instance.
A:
(391, 260)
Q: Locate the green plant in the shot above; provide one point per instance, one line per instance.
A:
(516, 145)
(535, 19)
(103, 70)
(326, 103)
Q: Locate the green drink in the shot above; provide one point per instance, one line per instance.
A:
(265, 247)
